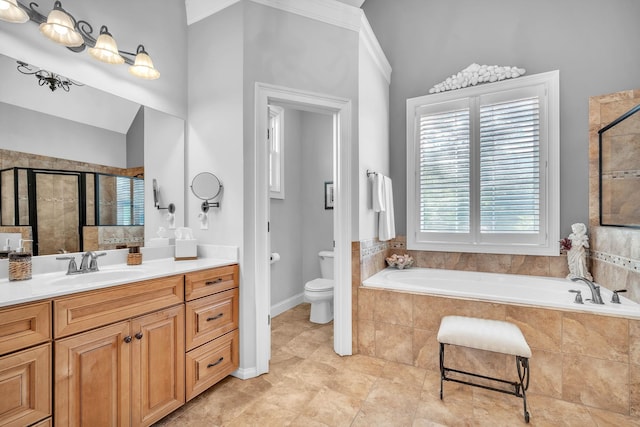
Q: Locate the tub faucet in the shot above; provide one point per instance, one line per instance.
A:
(595, 289)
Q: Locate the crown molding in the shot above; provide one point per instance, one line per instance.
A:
(372, 45)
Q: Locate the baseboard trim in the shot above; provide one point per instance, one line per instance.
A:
(245, 373)
(287, 304)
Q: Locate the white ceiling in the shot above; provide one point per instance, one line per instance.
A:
(356, 3)
(83, 104)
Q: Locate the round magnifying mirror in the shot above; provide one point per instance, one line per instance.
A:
(206, 186)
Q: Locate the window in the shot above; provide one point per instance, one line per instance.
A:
(130, 200)
(483, 168)
(276, 152)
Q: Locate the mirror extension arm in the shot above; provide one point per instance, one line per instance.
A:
(156, 198)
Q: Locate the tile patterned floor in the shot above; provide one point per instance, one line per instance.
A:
(309, 385)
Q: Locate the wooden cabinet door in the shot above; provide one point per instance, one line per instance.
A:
(25, 386)
(157, 364)
(92, 378)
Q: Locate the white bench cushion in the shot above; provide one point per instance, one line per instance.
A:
(483, 334)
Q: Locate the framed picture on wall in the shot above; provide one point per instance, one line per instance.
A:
(328, 195)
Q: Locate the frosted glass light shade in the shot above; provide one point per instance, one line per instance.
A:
(143, 66)
(106, 49)
(11, 12)
(60, 27)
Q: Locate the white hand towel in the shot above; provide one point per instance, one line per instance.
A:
(378, 193)
(386, 220)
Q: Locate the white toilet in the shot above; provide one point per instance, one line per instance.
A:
(319, 292)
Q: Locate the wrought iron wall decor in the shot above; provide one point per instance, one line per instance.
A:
(52, 80)
(77, 35)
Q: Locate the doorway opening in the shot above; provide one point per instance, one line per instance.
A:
(339, 109)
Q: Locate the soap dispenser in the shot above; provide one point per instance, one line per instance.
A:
(20, 263)
(6, 250)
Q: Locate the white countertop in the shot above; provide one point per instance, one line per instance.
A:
(55, 284)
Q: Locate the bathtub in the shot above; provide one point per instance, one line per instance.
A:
(546, 292)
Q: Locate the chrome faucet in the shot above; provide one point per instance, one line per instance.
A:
(89, 261)
(595, 289)
(88, 264)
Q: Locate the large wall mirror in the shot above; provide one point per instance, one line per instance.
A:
(619, 144)
(73, 164)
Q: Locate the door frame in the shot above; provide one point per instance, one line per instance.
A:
(341, 110)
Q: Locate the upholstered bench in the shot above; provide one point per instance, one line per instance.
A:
(489, 335)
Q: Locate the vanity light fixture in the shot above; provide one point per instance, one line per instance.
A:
(77, 35)
(11, 12)
(143, 66)
(61, 27)
(52, 80)
(106, 49)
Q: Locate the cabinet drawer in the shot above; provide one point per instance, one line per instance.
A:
(208, 364)
(202, 283)
(97, 308)
(210, 317)
(25, 386)
(24, 326)
(44, 423)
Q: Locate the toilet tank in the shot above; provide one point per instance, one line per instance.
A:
(326, 264)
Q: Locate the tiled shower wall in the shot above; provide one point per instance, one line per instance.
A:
(615, 251)
(112, 237)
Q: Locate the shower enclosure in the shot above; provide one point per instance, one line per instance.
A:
(57, 204)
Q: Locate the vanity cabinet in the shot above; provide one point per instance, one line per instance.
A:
(125, 355)
(130, 372)
(212, 311)
(25, 364)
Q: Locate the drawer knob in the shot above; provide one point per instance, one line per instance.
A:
(139, 335)
(211, 365)
(216, 317)
(213, 282)
(127, 339)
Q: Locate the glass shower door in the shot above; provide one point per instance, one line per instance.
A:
(57, 212)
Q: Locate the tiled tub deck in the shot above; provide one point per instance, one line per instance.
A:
(583, 358)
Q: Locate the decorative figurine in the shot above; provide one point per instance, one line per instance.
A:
(577, 254)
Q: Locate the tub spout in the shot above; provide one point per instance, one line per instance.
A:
(595, 289)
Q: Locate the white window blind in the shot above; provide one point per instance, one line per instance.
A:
(123, 197)
(130, 200)
(445, 171)
(509, 166)
(138, 201)
(483, 168)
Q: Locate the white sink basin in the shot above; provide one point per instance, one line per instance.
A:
(104, 275)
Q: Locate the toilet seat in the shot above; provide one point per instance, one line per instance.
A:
(319, 285)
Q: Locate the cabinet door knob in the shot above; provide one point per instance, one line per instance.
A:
(139, 335)
(216, 317)
(127, 339)
(211, 365)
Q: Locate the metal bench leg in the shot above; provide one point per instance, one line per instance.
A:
(441, 368)
(522, 363)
